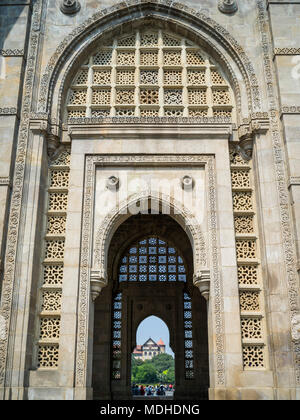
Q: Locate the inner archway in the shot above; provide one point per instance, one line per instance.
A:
(150, 268)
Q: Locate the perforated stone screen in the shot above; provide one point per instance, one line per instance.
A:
(150, 74)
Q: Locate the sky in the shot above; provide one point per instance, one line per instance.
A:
(153, 327)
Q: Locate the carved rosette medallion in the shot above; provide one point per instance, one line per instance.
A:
(228, 6)
(70, 7)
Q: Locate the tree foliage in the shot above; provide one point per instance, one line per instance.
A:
(160, 368)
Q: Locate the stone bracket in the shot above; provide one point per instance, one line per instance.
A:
(201, 279)
(98, 280)
(247, 132)
(40, 123)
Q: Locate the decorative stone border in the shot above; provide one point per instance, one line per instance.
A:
(12, 53)
(10, 287)
(289, 253)
(287, 51)
(102, 237)
(285, 109)
(8, 111)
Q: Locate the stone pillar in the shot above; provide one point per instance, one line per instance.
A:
(21, 328)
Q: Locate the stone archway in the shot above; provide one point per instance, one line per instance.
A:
(167, 294)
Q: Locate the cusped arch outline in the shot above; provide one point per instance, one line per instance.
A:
(190, 20)
(120, 213)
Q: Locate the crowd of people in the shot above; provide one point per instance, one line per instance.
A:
(151, 390)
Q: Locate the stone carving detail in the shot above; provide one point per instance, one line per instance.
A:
(69, 7)
(8, 111)
(164, 86)
(2, 328)
(49, 327)
(56, 225)
(228, 6)
(296, 327)
(248, 269)
(82, 77)
(211, 27)
(283, 194)
(246, 249)
(251, 328)
(16, 216)
(51, 301)
(58, 201)
(48, 356)
(249, 301)
(12, 53)
(53, 275)
(242, 201)
(59, 179)
(52, 270)
(287, 51)
(243, 224)
(247, 275)
(103, 77)
(253, 357)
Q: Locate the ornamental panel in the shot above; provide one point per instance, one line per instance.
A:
(48, 356)
(246, 249)
(49, 328)
(53, 275)
(249, 301)
(247, 275)
(242, 201)
(155, 59)
(251, 328)
(253, 357)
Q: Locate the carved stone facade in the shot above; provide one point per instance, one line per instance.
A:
(149, 106)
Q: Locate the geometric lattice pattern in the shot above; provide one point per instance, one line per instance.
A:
(47, 356)
(152, 259)
(188, 337)
(149, 71)
(116, 336)
(52, 270)
(253, 357)
(248, 270)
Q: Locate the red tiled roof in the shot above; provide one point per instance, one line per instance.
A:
(160, 342)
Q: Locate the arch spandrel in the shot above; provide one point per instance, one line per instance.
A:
(197, 24)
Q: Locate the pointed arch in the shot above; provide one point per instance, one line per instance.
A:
(119, 214)
(197, 25)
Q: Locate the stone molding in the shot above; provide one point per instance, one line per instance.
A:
(287, 51)
(289, 251)
(104, 15)
(12, 52)
(10, 289)
(290, 109)
(102, 236)
(8, 111)
(5, 181)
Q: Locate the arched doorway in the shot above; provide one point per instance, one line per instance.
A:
(150, 266)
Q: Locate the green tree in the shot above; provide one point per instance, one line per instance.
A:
(162, 362)
(146, 374)
(135, 363)
(169, 375)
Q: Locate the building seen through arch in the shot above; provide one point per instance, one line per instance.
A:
(149, 166)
